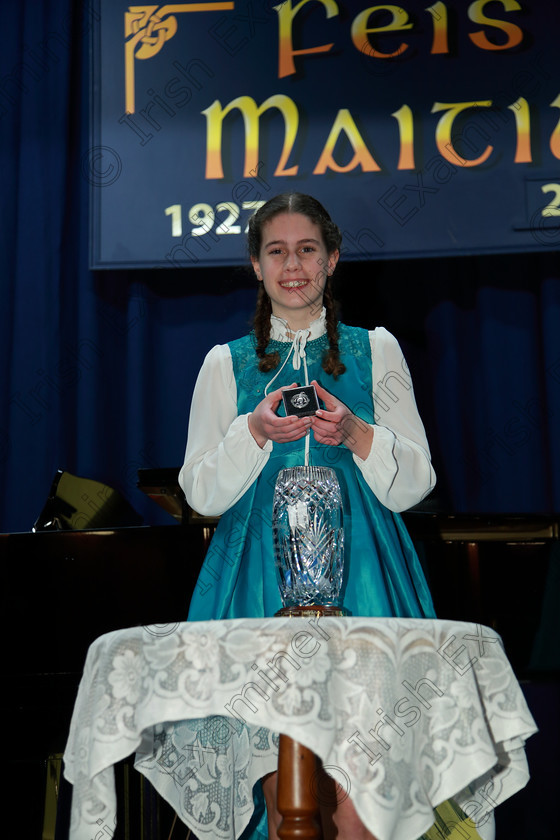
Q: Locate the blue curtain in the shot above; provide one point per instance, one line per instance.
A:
(98, 367)
(497, 370)
(482, 338)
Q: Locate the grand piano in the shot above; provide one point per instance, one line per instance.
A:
(83, 570)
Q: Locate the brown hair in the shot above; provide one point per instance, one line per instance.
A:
(332, 238)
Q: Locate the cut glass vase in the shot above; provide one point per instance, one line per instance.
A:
(308, 535)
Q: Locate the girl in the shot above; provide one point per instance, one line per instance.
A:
(369, 431)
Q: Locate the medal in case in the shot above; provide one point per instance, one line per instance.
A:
(301, 401)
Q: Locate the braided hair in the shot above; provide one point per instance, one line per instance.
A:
(316, 213)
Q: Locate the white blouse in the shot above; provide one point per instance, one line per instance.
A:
(223, 459)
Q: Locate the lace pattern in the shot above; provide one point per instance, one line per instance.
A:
(404, 713)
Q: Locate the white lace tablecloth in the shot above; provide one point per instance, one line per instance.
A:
(404, 713)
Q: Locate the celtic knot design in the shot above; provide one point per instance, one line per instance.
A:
(146, 30)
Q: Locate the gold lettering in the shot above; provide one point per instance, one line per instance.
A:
(360, 30)
(513, 32)
(522, 116)
(405, 120)
(555, 136)
(444, 130)
(439, 42)
(345, 123)
(251, 113)
(286, 52)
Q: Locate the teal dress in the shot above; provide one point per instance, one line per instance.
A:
(383, 576)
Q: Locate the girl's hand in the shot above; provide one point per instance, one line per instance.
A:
(336, 424)
(265, 424)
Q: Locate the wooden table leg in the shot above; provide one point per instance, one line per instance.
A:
(295, 800)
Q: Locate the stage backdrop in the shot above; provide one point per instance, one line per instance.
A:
(98, 367)
(432, 129)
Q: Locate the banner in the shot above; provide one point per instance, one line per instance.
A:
(424, 130)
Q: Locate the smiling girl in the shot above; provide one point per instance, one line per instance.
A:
(239, 440)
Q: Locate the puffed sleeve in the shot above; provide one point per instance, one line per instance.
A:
(222, 458)
(398, 468)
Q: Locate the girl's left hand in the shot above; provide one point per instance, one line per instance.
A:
(336, 424)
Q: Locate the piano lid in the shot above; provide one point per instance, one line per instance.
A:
(162, 486)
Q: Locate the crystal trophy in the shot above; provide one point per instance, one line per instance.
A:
(308, 537)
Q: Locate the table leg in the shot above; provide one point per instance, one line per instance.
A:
(295, 800)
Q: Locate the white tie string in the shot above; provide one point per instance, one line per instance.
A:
(298, 351)
(299, 342)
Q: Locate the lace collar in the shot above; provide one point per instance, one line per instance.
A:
(280, 331)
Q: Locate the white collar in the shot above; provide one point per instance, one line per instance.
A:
(280, 331)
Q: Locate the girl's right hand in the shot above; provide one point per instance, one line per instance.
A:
(265, 424)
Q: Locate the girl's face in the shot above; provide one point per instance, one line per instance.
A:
(294, 265)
